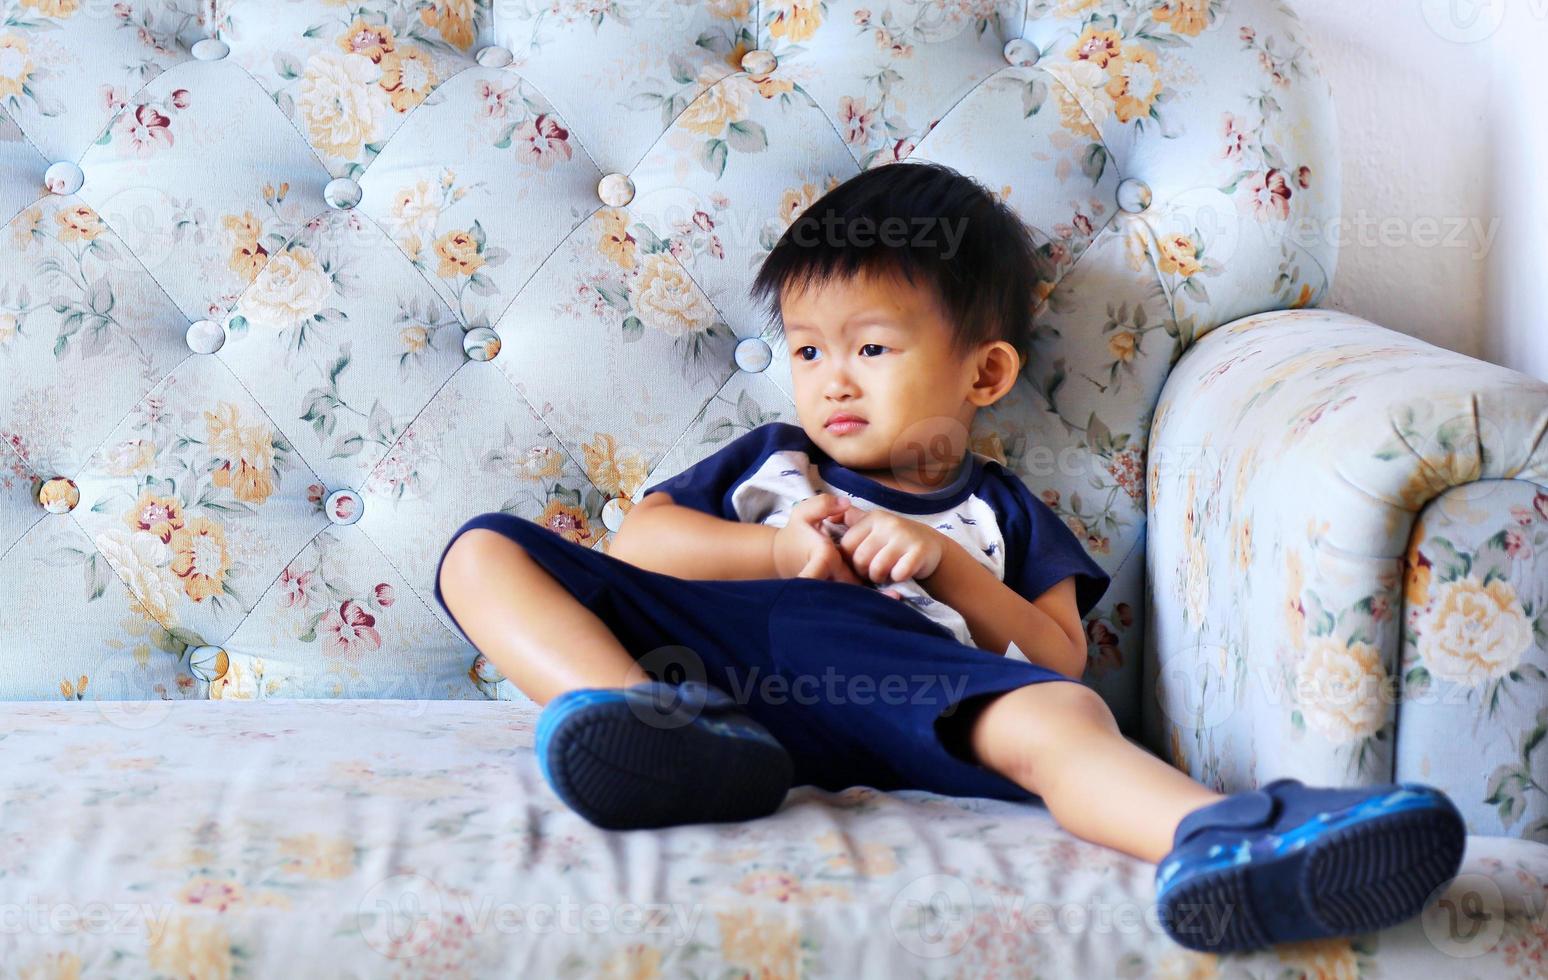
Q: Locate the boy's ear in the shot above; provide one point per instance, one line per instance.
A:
(1006, 372)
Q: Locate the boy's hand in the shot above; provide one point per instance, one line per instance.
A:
(802, 549)
(887, 547)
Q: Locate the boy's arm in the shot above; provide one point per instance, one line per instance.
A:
(996, 614)
(661, 536)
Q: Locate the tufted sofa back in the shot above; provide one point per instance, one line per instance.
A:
(290, 291)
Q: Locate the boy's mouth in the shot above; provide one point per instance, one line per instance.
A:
(841, 423)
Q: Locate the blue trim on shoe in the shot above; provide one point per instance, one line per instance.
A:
(1287, 862)
(659, 754)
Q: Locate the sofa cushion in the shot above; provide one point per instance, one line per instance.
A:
(393, 838)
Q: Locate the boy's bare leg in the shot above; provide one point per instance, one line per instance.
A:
(1060, 741)
(527, 624)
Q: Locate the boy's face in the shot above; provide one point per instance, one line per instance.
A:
(881, 350)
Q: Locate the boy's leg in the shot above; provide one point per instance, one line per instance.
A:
(562, 622)
(528, 625)
(1060, 741)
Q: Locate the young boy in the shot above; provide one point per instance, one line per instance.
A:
(830, 603)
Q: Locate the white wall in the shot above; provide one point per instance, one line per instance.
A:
(1515, 328)
(1445, 213)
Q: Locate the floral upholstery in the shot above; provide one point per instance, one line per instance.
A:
(1348, 522)
(291, 291)
(288, 292)
(433, 849)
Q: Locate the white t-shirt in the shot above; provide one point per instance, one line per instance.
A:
(761, 475)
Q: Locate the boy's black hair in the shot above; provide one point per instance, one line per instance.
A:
(970, 248)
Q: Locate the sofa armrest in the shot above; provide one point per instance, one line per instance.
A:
(1290, 458)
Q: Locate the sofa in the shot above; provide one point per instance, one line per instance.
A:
(289, 291)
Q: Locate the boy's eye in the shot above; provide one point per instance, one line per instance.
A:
(808, 347)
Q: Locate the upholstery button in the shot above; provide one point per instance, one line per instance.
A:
(481, 344)
(493, 56)
(1133, 195)
(615, 190)
(1021, 52)
(210, 49)
(208, 663)
(613, 514)
(758, 62)
(205, 336)
(753, 354)
(59, 495)
(63, 177)
(342, 193)
(484, 672)
(343, 506)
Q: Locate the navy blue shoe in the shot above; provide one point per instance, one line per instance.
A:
(1287, 862)
(659, 754)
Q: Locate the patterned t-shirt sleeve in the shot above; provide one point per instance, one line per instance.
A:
(707, 484)
(1041, 551)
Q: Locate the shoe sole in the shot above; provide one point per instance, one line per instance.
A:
(621, 773)
(1353, 879)
(1362, 878)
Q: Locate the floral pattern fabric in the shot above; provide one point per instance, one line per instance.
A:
(417, 839)
(1350, 522)
(444, 257)
(434, 258)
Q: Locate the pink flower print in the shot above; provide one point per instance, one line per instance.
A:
(1235, 137)
(855, 121)
(113, 99)
(1516, 545)
(495, 105)
(1541, 503)
(383, 595)
(145, 131)
(1248, 34)
(1303, 176)
(349, 632)
(297, 589)
(212, 893)
(1381, 608)
(180, 98)
(542, 140)
(1278, 77)
(1268, 194)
